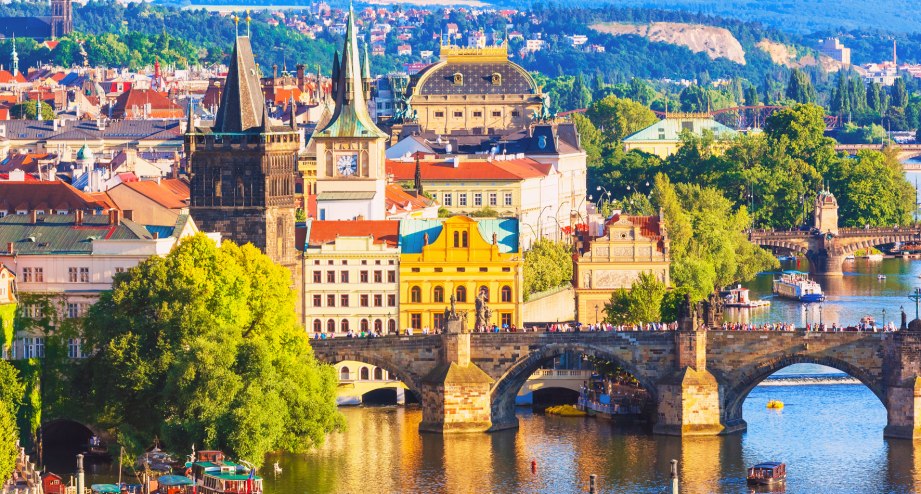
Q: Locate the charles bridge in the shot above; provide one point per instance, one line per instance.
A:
(826, 246)
(698, 379)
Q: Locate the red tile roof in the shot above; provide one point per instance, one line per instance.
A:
(7, 77)
(45, 196)
(394, 195)
(132, 103)
(470, 169)
(27, 162)
(170, 193)
(649, 225)
(386, 232)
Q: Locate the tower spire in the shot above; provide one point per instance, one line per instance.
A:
(242, 102)
(15, 58)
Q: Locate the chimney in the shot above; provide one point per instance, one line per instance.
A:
(34, 217)
(115, 217)
(156, 235)
(54, 124)
(10, 248)
(129, 213)
(78, 217)
(300, 76)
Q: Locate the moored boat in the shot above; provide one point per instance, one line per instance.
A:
(798, 286)
(213, 474)
(767, 473)
(739, 297)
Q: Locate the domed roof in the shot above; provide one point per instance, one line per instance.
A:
(473, 71)
(85, 153)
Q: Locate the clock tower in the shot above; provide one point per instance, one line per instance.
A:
(350, 148)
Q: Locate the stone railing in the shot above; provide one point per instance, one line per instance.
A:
(561, 374)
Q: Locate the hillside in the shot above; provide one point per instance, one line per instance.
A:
(716, 42)
(789, 56)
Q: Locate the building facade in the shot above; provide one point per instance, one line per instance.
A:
(473, 88)
(351, 277)
(349, 149)
(663, 138)
(631, 245)
(65, 261)
(459, 257)
(244, 167)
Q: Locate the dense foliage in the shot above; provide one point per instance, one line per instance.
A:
(776, 173)
(642, 304)
(11, 393)
(203, 347)
(547, 265)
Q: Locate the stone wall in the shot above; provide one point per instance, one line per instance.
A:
(558, 306)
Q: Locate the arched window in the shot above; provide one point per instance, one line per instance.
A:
(392, 326)
(461, 293)
(344, 326)
(317, 326)
(458, 79)
(364, 325)
(457, 239)
(439, 294)
(378, 374)
(378, 325)
(415, 295)
(463, 239)
(506, 294)
(483, 289)
(344, 374)
(363, 374)
(330, 326)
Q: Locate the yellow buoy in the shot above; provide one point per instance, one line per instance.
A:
(776, 404)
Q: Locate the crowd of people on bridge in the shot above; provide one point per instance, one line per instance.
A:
(576, 327)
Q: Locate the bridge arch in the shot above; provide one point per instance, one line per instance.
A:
(410, 379)
(738, 389)
(506, 388)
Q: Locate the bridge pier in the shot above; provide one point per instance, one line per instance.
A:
(902, 368)
(825, 264)
(689, 398)
(456, 393)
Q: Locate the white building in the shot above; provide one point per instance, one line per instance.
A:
(65, 261)
(351, 271)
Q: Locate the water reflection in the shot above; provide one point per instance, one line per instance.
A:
(849, 298)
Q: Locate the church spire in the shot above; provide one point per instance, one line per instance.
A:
(242, 102)
(15, 58)
(351, 117)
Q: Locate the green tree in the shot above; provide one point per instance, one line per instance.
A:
(871, 190)
(800, 88)
(619, 117)
(485, 212)
(26, 111)
(203, 347)
(547, 264)
(642, 304)
(11, 393)
(899, 94)
(694, 99)
(591, 139)
(581, 95)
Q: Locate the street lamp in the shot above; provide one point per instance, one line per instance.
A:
(557, 216)
(539, 226)
(596, 313)
(806, 314)
(820, 315)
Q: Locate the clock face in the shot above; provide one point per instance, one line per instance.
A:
(347, 165)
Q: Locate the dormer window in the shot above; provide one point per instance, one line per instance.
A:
(496, 79)
(458, 79)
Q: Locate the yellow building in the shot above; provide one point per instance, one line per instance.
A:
(663, 138)
(473, 88)
(460, 256)
(631, 245)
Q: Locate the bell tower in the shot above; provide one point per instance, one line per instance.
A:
(243, 168)
(350, 149)
(61, 21)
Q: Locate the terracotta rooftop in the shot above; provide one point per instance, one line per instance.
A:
(323, 232)
(470, 169)
(133, 103)
(649, 225)
(45, 196)
(170, 193)
(396, 197)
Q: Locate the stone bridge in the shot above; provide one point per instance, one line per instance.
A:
(904, 151)
(698, 379)
(826, 251)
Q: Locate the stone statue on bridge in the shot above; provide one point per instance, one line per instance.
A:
(483, 311)
(713, 310)
(454, 322)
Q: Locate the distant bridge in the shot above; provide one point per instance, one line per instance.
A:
(905, 151)
(826, 252)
